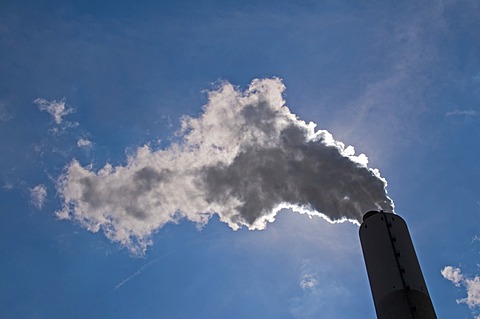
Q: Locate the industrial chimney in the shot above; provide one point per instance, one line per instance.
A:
(398, 287)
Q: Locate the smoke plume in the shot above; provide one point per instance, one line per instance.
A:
(244, 158)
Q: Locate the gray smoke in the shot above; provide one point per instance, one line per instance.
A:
(245, 158)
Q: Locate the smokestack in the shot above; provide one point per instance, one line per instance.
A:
(398, 287)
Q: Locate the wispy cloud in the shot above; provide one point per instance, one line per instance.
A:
(453, 274)
(5, 113)
(392, 100)
(308, 282)
(57, 109)
(38, 194)
(84, 143)
(316, 299)
(471, 285)
(468, 113)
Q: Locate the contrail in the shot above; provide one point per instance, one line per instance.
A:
(140, 270)
(151, 262)
(244, 158)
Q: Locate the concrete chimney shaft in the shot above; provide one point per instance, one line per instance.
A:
(398, 287)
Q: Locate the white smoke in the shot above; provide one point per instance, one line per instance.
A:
(245, 158)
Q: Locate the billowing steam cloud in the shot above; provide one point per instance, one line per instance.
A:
(245, 158)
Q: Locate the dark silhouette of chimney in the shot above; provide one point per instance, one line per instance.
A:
(396, 280)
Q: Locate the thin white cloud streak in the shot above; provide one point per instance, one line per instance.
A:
(471, 285)
(139, 271)
(245, 158)
(468, 113)
(38, 194)
(57, 109)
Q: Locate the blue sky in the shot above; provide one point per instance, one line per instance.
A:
(398, 81)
